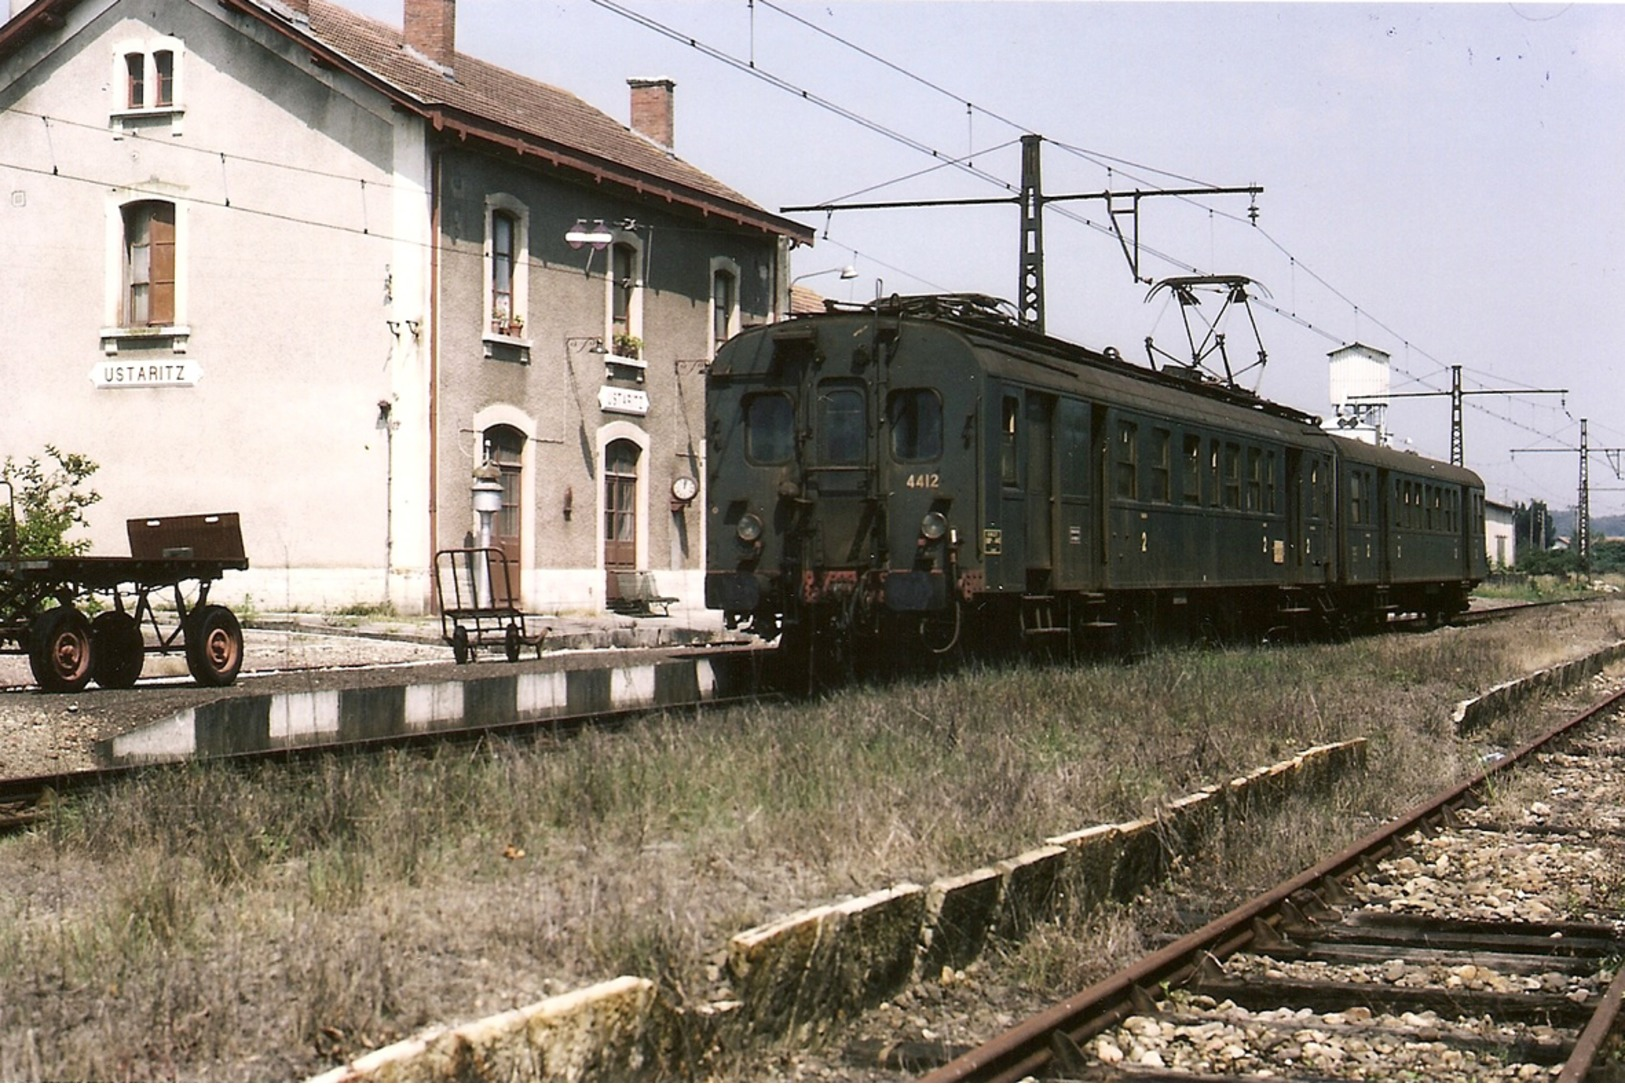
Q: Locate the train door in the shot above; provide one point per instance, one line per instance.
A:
(1386, 496)
(839, 472)
(1076, 525)
(1004, 541)
(1307, 493)
(1039, 488)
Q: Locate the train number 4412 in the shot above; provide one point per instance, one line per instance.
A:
(928, 481)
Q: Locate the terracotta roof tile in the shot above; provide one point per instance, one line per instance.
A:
(486, 93)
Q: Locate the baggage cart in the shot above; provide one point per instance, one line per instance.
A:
(478, 607)
(46, 605)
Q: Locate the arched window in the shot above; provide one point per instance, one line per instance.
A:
(622, 289)
(146, 77)
(507, 306)
(504, 233)
(163, 78)
(135, 71)
(724, 306)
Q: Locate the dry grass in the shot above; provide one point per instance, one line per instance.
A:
(265, 924)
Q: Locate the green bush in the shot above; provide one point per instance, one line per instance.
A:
(45, 503)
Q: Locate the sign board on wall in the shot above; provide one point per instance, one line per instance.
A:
(623, 401)
(170, 373)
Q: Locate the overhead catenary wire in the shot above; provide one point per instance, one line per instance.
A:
(1096, 157)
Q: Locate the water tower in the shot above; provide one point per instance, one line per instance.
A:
(1360, 387)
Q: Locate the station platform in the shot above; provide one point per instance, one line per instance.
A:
(311, 678)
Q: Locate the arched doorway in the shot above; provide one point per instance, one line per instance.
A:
(505, 447)
(621, 460)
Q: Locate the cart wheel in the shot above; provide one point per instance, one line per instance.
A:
(511, 643)
(214, 646)
(59, 649)
(460, 648)
(117, 652)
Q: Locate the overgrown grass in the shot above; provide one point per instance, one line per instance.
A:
(206, 922)
(1543, 588)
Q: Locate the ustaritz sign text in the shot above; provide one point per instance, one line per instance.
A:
(172, 373)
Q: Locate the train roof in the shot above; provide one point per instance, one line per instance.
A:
(1010, 350)
(1379, 456)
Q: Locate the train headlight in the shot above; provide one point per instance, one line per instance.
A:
(934, 526)
(749, 529)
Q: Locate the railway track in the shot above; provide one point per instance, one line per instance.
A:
(1430, 949)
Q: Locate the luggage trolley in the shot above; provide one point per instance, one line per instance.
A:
(66, 649)
(481, 608)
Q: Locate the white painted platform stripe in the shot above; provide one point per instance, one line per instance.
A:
(541, 694)
(433, 703)
(304, 714)
(175, 737)
(630, 687)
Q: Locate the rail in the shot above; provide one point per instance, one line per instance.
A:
(1049, 1043)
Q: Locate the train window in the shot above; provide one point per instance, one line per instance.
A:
(1126, 474)
(1193, 470)
(1255, 479)
(769, 428)
(1009, 473)
(1162, 466)
(915, 419)
(1271, 502)
(843, 424)
(1232, 476)
(1317, 497)
(1213, 472)
(1356, 500)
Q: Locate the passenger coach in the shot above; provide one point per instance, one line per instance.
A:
(920, 473)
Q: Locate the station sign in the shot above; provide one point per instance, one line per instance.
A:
(170, 373)
(623, 401)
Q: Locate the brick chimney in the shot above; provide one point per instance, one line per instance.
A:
(653, 111)
(431, 29)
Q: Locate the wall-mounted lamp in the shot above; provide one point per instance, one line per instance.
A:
(569, 502)
(847, 272)
(597, 236)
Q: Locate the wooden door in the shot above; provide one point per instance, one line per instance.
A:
(620, 513)
(505, 447)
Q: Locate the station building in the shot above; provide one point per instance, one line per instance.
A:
(273, 257)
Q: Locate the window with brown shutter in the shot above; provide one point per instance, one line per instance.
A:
(149, 264)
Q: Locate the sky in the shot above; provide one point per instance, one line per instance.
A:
(1442, 182)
